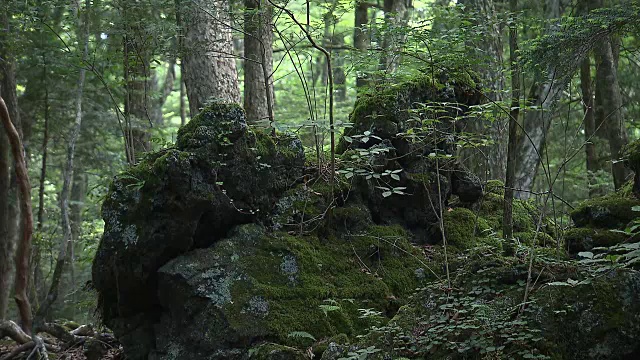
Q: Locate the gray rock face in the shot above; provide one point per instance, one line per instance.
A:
(221, 175)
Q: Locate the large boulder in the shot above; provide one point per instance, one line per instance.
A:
(219, 244)
(221, 174)
(256, 286)
(402, 137)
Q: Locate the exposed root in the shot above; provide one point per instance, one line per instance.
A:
(37, 347)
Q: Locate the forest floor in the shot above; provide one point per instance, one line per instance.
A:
(71, 353)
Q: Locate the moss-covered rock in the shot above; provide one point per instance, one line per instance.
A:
(611, 211)
(386, 111)
(258, 286)
(585, 239)
(221, 174)
(463, 227)
(271, 351)
(631, 156)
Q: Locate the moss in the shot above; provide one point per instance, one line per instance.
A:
(385, 109)
(590, 321)
(494, 187)
(459, 227)
(217, 124)
(583, 239)
(611, 211)
(542, 239)
(271, 351)
(297, 276)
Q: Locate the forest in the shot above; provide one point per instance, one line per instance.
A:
(319, 179)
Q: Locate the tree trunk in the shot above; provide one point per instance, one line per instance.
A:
(507, 219)
(491, 72)
(139, 80)
(258, 63)
(8, 195)
(183, 105)
(396, 16)
(609, 112)
(589, 126)
(67, 238)
(537, 122)
(6, 241)
(361, 37)
(22, 256)
(207, 52)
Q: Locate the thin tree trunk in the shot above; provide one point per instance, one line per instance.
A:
(258, 64)
(589, 126)
(139, 80)
(166, 90)
(209, 66)
(507, 220)
(67, 239)
(36, 256)
(76, 206)
(183, 105)
(6, 242)
(361, 37)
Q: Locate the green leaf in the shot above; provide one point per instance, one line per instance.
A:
(586, 254)
(387, 193)
(301, 334)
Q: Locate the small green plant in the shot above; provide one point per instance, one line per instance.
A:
(330, 306)
(360, 354)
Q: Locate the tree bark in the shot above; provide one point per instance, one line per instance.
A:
(589, 126)
(22, 256)
(183, 105)
(258, 63)
(490, 68)
(361, 37)
(609, 112)
(207, 52)
(8, 195)
(537, 122)
(396, 15)
(507, 219)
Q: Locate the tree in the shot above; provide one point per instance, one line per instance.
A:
(361, 39)
(67, 239)
(258, 64)
(507, 219)
(396, 17)
(8, 195)
(608, 110)
(490, 67)
(209, 66)
(544, 94)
